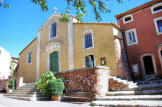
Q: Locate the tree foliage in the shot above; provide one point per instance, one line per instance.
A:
(79, 6)
(4, 4)
(98, 6)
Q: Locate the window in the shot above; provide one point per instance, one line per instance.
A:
(127, 18)
(131, 37)
(158, 25)
(88, 41)
(156, 8)
(89, 60)
(135, 68)
(53, 30)
(29, 56)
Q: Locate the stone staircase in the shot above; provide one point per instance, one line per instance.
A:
(117, 84)
(26, 92)
(140, 94)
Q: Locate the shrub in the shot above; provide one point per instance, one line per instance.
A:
(49, 85)
(55, 87)
(42, 83)
(11, 84)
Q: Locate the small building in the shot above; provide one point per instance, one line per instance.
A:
(142, 34)
(66, 46)
(5, 62)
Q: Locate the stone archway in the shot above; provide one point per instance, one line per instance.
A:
(51, 50)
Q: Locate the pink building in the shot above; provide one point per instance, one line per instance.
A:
(142, 34)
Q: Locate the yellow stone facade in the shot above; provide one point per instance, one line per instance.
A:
(69, 42)
(25, 69)
(103, 39)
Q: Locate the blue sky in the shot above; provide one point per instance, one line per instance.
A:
(19, 24)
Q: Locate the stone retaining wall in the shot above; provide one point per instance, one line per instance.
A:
(117, 86)
(93, 80)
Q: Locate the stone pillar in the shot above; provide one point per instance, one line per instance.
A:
(101, 80)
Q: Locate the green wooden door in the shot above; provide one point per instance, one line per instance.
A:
(54, 65)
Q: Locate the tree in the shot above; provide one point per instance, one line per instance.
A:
(99, 6)
(4, 4)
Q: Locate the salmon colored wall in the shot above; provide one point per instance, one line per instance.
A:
(148, 40)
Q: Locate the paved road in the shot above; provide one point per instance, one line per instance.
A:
(7, 102)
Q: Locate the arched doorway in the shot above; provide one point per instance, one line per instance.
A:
(54, 61)
(148, 64)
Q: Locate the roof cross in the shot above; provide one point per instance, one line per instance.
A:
(55, 10)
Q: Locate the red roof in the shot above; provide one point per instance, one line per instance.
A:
(148, 4)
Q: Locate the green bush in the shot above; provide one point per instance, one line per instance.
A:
(42, 83)
(12, 84)
(49, 85)
(55, 87)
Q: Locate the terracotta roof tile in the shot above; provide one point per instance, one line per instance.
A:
(148, 4)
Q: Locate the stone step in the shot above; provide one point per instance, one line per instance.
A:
(29, 83)
(24, 92)
(28, 86)
(27, 92)
(126, 82)
(29, 98)
(25, 89)
(130, 103)
(72, 98)
(123, 84)
(131, 97)
(149, 82)
(25, 95)
(150, 86)
(145, 92)
(150, 77)
(122, 81)
(142, 87)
